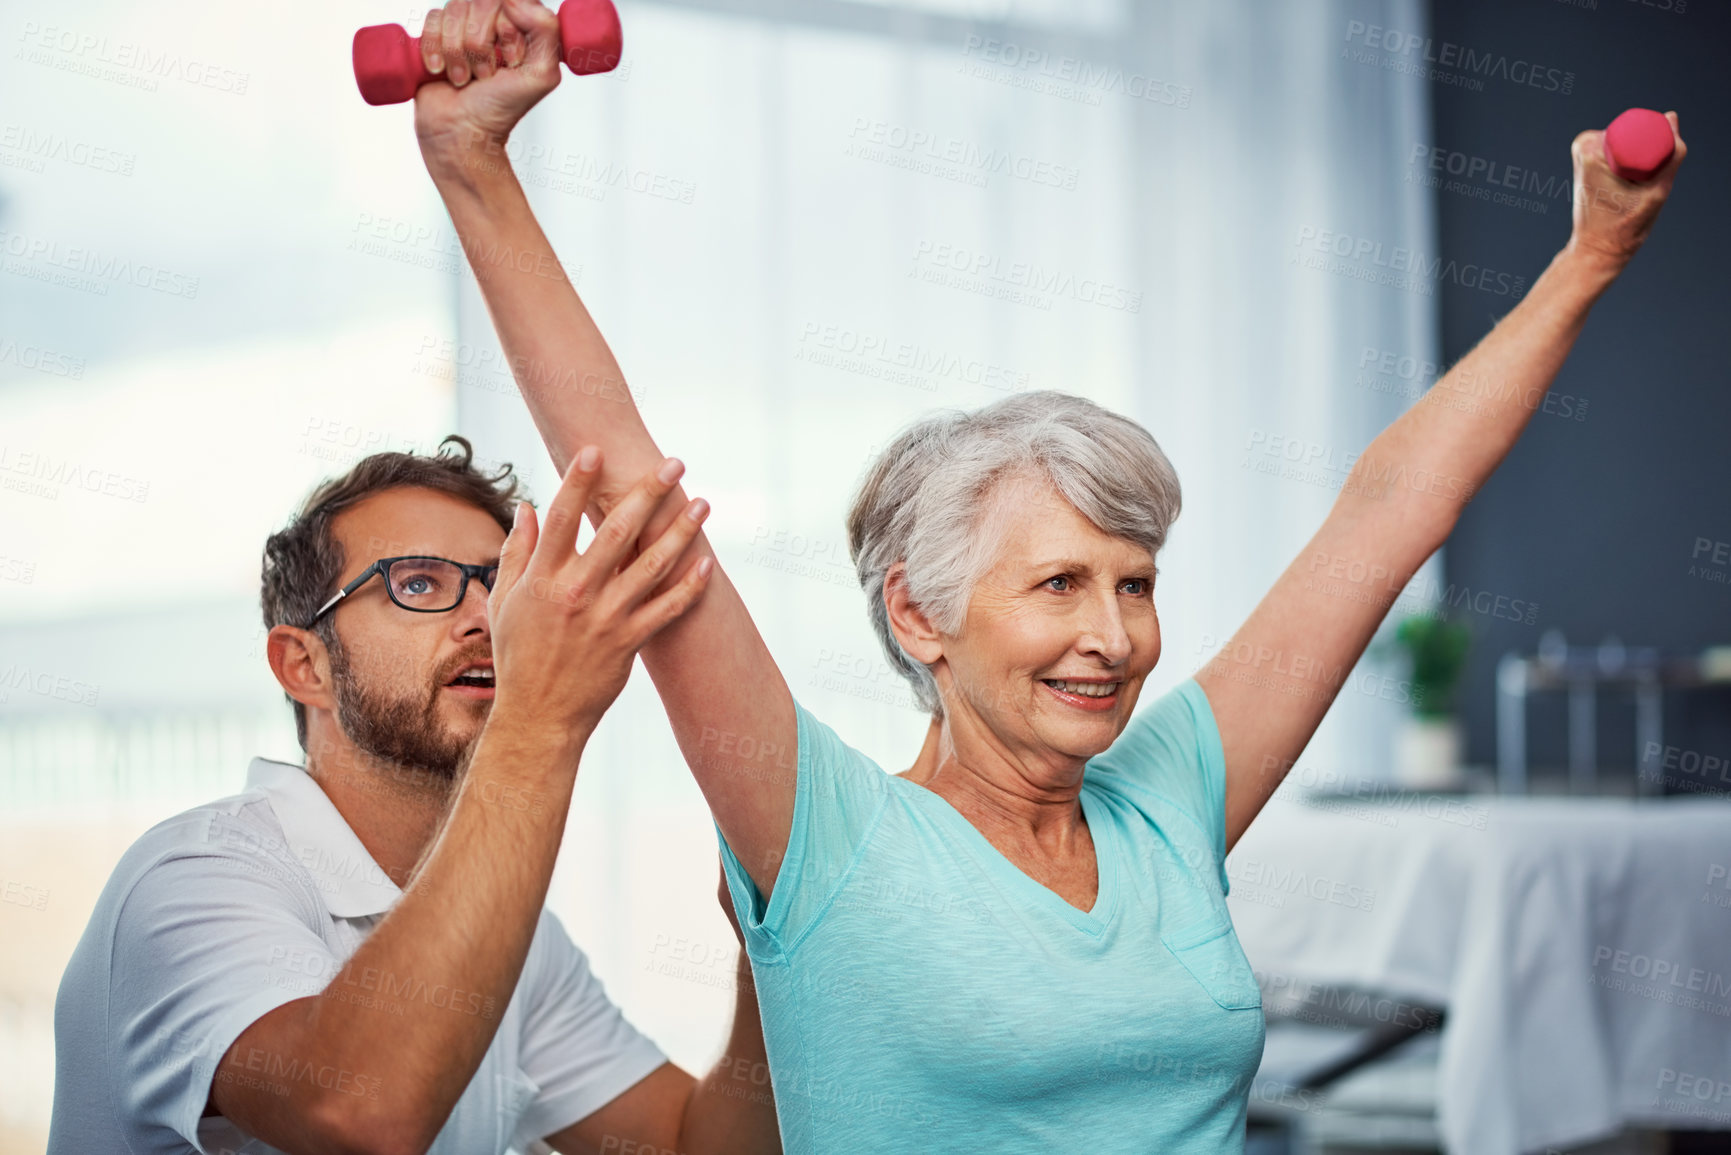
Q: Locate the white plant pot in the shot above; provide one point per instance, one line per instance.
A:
(1427, 754)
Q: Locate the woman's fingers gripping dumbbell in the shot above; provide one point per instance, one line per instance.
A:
(472, 39)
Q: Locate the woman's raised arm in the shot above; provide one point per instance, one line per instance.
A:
(1273, 682)
(731, 710)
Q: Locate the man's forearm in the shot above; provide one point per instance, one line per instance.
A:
(732, 1108)
(574, 387)
(424, 994)
(1438, 454)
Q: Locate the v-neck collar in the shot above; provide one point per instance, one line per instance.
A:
(1100, 830)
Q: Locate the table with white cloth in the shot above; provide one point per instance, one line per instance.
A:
(1581, 948)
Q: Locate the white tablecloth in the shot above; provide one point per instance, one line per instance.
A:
(1582, 948)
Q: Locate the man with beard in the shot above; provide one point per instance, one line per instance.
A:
(354, 956)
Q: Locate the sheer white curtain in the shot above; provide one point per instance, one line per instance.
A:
(1248, 353)
(803, 226)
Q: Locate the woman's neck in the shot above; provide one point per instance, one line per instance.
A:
(993, 793)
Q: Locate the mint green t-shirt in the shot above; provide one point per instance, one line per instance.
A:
(919, 993)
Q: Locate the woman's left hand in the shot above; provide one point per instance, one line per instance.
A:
(1613, 216)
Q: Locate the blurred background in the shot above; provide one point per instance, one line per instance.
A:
(803, 224)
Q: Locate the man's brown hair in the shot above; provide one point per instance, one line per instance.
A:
(302, 561)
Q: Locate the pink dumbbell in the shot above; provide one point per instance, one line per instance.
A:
(388, 65)
(1638, 144)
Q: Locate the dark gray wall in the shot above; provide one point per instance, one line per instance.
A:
(1596, 518)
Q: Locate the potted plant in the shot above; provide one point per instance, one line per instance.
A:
(1428, 746)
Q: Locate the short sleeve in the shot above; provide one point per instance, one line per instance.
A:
(577, 1046)
(204, 945)
(838, 794)
(1172, 749)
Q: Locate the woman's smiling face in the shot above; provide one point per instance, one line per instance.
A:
(1060, 630)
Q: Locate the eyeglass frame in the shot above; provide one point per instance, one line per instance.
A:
(383, 565)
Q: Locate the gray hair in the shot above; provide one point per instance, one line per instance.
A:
(925, 500)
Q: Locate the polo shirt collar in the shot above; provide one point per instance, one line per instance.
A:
(353, 885)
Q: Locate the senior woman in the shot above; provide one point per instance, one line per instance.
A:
(1020, 942)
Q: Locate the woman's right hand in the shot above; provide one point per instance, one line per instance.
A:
(566, 624)
(463, 125)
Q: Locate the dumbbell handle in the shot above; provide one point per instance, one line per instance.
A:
(388, 65)
(1638, 144)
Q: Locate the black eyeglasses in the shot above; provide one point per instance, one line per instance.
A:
(422, 585)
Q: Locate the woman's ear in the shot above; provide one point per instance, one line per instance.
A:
(908, 622)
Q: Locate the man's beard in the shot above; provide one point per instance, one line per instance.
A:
(403, 731)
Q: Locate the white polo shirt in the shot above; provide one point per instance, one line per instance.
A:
(227, 911)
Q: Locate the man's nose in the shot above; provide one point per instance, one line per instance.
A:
(471, 613)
